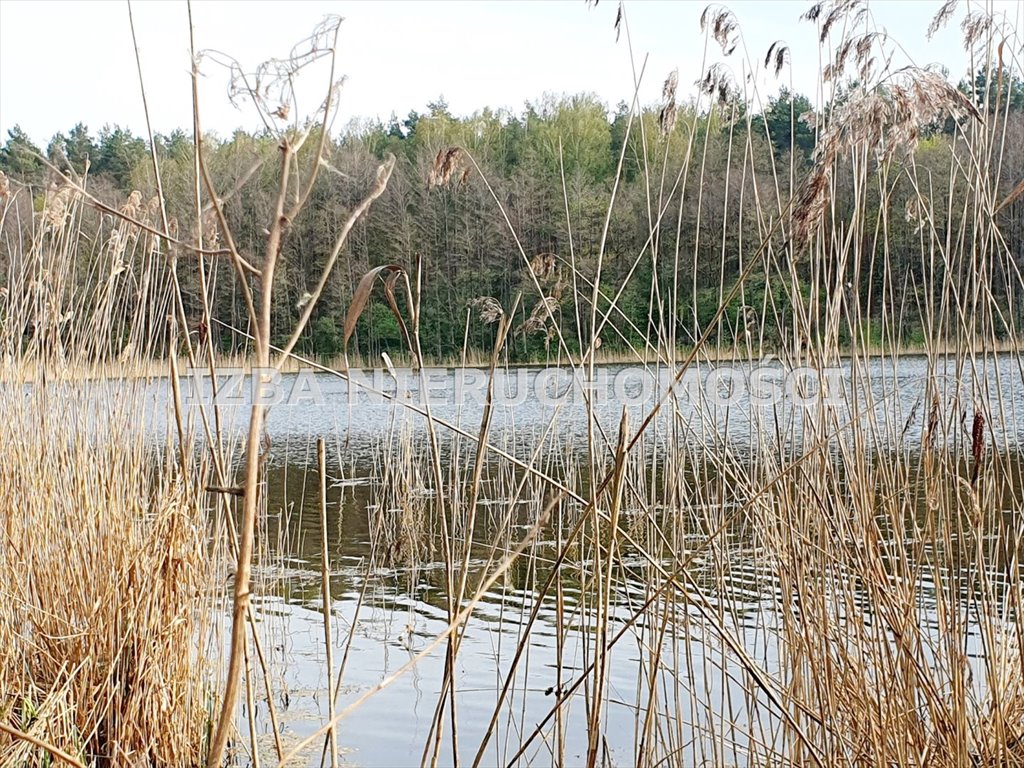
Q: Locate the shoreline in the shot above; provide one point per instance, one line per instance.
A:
(13, 371)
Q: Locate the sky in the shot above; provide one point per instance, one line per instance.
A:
(67, 62)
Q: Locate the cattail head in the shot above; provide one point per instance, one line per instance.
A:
(977, 443)
(933, 423)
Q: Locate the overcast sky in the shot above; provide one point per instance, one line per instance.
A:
(65, 62)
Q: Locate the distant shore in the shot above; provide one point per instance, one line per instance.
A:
(30, 371)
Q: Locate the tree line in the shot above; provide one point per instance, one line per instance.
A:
(692, 192)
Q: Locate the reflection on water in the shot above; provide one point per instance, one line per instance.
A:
(390, 590)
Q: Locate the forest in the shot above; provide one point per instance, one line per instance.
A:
(547, 173)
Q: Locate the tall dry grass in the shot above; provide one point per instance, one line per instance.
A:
(107, 575)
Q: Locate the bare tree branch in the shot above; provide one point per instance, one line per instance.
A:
(383, 175)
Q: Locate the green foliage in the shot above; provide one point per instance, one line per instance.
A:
(668, 285)
(119, 154)
(786, 125)
(573, 131)
(75, 150)
(1003, 89)
(19, 157)
(326, 338)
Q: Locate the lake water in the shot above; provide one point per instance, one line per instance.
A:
(733, 403)
(385, 542)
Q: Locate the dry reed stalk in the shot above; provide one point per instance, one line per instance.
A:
(605, 573)
(49, 748)
(325, 576)
(275, 79)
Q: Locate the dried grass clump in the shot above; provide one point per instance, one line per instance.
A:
(873, 625)
(104, 563)
(103, 579)
(401, 531)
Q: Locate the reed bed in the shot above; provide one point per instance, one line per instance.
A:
(787, 612)
(107, 571)
(106, 590)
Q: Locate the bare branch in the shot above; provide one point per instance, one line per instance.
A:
(238, 185)
(383, 175)
(332, 86)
